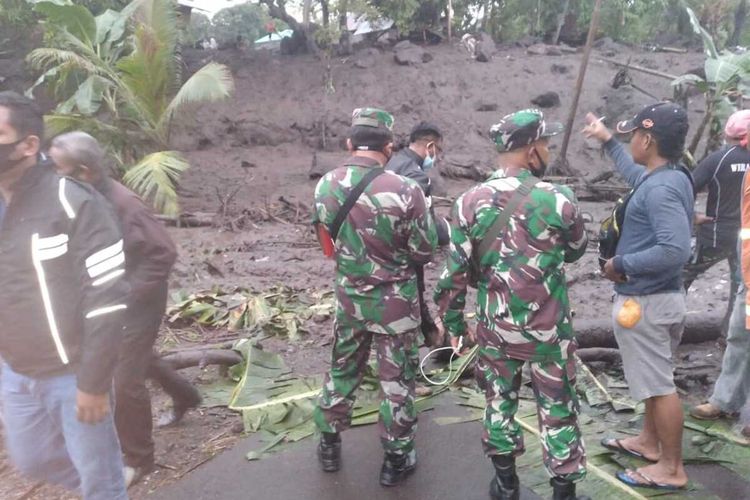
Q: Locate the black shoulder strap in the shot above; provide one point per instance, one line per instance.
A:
(352, 199)
(497, 227)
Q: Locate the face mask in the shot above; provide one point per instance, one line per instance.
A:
(5, 151)
(542, 166)
(429, 161)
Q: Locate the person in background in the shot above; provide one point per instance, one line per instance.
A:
(387, 231)
(721, 173)
(523, 310)
(649, 307)
(62, 296)
(149, 256)
(415, 162)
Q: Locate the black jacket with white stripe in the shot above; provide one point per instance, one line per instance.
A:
(62, 290)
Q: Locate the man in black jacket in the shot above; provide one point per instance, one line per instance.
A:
(721, 174)
(414, 162)
(61, 300)
(149, 255)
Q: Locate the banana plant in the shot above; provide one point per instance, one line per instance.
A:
(118, 77)
(727, 80)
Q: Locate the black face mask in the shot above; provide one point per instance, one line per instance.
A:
(5, 151)
(539, 172)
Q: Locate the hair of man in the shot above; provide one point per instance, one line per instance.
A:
(370, 138)
(81, 149)
(25, 116)
(425, 131)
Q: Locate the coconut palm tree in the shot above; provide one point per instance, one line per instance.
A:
(119, 78)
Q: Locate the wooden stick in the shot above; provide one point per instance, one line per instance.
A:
(579, 84)
(450, 21)
(648, 71)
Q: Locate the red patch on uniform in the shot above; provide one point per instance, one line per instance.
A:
(648, 123)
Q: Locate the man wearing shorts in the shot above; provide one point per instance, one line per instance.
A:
(649, 306)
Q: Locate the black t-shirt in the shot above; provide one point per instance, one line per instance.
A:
(722, 173)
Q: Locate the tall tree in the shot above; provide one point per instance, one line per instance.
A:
(740, 16)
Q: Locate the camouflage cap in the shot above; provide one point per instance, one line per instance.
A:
(372, 117)
(522, 128)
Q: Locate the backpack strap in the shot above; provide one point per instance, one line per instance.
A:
(352, 199)
(501, 222)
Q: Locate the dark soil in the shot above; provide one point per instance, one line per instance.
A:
(263, 142)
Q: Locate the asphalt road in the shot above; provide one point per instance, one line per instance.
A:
(294, 473)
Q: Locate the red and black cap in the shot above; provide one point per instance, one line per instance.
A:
(665, 119)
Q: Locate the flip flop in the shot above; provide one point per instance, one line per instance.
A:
(614, 444)
(625, 477)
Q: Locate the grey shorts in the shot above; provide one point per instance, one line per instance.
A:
(647, 348)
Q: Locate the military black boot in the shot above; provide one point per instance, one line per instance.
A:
(329, 451)
(564, 490)
(505, 484)
(396, 468)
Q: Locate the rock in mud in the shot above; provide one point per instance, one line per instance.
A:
(547, 100)
(367, 58)
(407, 54)
(560, 69)
(541, 49)
(485, 48)
(485, 106)
(322, 163)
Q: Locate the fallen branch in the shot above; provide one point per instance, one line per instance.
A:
(605, 354)
(202, 358)
(699, 327)
(648, 71)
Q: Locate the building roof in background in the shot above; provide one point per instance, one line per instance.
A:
(275, 37)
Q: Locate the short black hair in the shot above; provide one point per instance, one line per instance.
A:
(671, 146)
(370, 138)
(25, 116)
(425, 130)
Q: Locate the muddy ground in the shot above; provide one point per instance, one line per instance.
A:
(261, 145)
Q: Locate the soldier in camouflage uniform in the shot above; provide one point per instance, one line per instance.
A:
(388, 231)
(522, 302)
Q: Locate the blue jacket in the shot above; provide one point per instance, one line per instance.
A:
(655, 241)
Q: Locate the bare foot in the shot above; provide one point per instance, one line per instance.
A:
(634, 444)
(662, 474)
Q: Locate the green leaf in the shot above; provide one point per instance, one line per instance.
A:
(155, 178)
(88, 97)
(213, 82)
(708, 42)
(721, 69)
(75, 19)
(688, 78)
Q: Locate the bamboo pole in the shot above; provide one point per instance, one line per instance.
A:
(579, 86)
(450, 21)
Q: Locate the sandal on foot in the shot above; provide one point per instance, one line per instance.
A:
(627, 478)
(614, 444)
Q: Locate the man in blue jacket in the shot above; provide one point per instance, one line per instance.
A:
(649, 306)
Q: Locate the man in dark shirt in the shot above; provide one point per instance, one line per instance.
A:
(150, 254)
(721, 173)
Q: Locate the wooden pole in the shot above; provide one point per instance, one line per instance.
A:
(563, 162)
(450, 21)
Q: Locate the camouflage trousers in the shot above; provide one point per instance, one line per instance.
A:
(398, 362)
(553, 382)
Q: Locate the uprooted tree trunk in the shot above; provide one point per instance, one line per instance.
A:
(699, 327)
(276, 9)
(203, 358)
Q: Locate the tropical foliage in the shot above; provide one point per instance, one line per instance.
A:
(118, 77)
(727, 80)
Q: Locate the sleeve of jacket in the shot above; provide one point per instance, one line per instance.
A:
(422, 230)
(149, 245)
(745, 245)
(705, 170)
(96, 247)
(573, 226)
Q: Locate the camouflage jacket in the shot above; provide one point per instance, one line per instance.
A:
(522, 298)
(387, 232)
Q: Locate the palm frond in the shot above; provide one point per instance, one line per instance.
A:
(155, 178)
(213, 82)
(44, 58)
